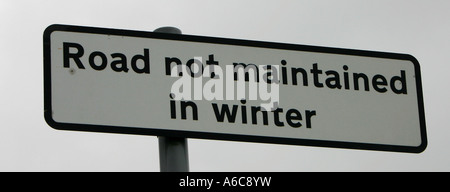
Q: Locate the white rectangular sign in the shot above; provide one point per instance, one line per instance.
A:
(121, 81)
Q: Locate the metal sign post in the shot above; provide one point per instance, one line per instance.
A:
(173, 151)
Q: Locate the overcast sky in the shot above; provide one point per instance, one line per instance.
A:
(27, 143)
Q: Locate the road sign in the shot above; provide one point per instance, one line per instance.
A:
(134, 82)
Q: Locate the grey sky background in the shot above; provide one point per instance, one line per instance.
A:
(27, 143)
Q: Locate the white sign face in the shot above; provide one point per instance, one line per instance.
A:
(120, 81)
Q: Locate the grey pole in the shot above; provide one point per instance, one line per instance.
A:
(173, 151)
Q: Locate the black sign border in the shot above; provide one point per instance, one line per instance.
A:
(222, 136)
